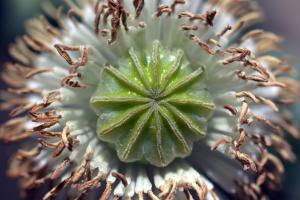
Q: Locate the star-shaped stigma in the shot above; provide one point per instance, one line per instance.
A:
(153, 106)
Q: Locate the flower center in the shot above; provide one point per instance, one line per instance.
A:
(153, 106)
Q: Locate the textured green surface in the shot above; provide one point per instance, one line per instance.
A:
(152, 106)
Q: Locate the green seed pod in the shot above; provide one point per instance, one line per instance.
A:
(153, 106)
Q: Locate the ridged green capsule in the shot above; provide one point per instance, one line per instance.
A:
(152, 106)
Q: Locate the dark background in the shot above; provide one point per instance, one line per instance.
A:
(282, 17)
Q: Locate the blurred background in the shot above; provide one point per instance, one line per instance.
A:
(282, 17)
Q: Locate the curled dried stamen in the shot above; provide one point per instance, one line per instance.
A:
(107, 192)
(202, 44)
(220, 142)
(207, 18)
(82, 168)
(189, 27)
(121, 177)
(243, 54)
(22, 154)
(224, 31)
(63, 52)
(138, 5)
(231, 109)
(177, 2)
(70, 82)
(245, 160)
(163, 9)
